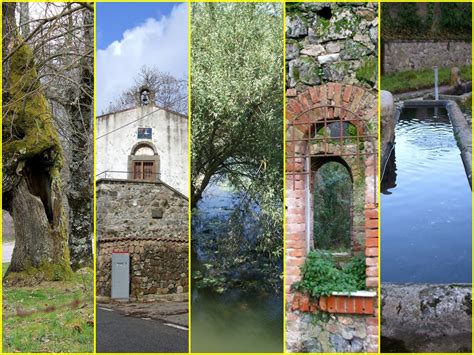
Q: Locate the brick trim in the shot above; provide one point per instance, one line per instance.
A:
(335, 304)
(299, 107)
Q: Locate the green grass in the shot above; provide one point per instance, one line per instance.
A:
(4, 268)
(65, 329)
(419, 79)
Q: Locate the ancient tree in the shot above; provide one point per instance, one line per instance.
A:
(32, 160)
(61, 38)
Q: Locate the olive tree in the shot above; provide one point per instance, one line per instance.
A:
(236, 101)
(237, 116)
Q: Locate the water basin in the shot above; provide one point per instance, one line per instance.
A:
(425, 204)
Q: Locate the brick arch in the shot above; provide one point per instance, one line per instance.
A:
(332, 102)
(316, 164)
(345, 98)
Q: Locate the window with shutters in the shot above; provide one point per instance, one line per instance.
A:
(144, 163)
(144, 170)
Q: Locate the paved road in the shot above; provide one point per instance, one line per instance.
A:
(7, 251)
(120, 334)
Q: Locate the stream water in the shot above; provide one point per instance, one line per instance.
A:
(233, 320)
(425, 204)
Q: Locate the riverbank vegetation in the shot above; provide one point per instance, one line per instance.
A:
(413, 80)
(237, 135)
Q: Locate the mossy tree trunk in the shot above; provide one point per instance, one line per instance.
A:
(32, 160)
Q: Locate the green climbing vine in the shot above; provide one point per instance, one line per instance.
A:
(321, 275)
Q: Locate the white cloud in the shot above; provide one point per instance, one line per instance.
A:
(157, 42)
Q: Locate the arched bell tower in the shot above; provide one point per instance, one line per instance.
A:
(145, 96)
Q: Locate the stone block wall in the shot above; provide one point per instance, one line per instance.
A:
(150, 221)
(316, 331)
(401, 55)
(331, 42)
(157, 266)
(126, 208)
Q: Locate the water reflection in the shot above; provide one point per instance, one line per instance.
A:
(389, 179)
(231, 320)
(426, 204)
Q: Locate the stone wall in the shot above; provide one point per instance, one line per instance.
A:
(317, 330)
(331, 42)
(150, 221)
(157, 266)
(426, 318)
(126, 208)
(414, 55)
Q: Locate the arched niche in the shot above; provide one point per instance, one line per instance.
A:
(144, 162)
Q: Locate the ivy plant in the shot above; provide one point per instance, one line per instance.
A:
(321, 275)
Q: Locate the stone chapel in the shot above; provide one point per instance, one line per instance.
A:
(142, 197)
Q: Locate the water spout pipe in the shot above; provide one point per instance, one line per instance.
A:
(436, 83)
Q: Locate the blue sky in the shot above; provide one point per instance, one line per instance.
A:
(114, 18)
(132, 35)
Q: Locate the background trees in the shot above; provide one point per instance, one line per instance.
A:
(170, 93)
(423, 20)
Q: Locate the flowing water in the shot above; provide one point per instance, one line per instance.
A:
(234, 320)
(425, 204)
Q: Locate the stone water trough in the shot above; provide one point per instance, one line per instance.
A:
(426, 317)
(461, 129)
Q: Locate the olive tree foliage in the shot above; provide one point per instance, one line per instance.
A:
(236, 102)
(60, 36)
(237, 112)
(170, 92)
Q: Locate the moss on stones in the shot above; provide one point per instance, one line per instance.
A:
(45, 272)
(366, 72)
